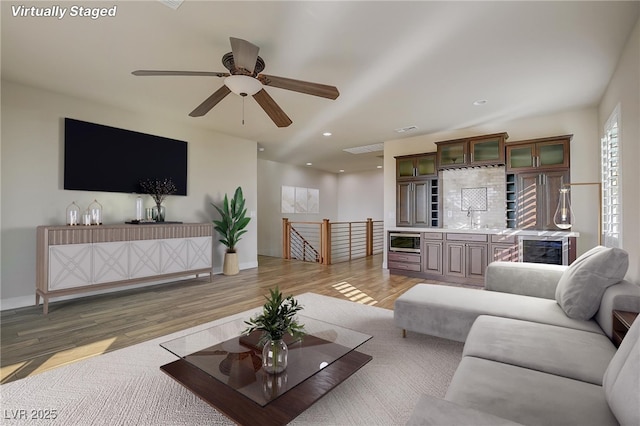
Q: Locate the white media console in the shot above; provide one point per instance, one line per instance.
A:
(76, 259)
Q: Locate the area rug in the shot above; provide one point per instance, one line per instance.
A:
(126, 387)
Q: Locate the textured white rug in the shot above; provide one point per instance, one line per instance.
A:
(126, 387)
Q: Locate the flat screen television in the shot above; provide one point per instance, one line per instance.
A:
(103, 158)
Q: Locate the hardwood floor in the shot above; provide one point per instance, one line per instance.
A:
(75, 329)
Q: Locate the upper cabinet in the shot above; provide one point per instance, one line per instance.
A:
(538, 154)
(476, 151)
(415, 166)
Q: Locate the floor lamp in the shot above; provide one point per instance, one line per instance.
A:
(564, 214)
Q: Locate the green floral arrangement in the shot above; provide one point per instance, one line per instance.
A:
(278, 317)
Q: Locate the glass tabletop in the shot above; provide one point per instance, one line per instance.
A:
(236, 360)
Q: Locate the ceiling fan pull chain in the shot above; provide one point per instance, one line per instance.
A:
(243, 109)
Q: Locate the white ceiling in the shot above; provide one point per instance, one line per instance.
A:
(395, 64)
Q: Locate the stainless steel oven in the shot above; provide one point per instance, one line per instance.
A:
(551, 250)
(404, 242)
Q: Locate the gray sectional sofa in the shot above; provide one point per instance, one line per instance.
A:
(537, 344)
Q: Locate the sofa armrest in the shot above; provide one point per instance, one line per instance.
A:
(624, 296)
(527, 279)
(439, 412)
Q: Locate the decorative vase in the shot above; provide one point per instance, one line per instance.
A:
(275, 354)
(230, 266)
(159, 213)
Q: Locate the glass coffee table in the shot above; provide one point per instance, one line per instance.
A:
(224, 368)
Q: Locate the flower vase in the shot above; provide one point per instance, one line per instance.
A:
(275, 354)
(159, 213)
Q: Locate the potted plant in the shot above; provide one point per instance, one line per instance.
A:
(278, 318)
(232, 224)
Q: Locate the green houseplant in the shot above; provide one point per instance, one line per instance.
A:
(278, 318)
(231, 226)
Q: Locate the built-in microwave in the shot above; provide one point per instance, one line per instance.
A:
(404, 242)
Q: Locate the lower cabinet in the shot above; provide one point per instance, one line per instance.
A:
(466, 257)
(503, 248)
(404, 261)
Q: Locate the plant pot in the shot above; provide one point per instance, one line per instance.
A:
(230, 266)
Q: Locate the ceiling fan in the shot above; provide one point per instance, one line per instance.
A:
(244, 79)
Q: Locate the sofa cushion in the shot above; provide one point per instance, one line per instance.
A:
(566, 352)
(449, 312)
(622, 379)
(528, 396)
(582, 285)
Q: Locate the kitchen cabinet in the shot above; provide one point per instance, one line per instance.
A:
(417, 190)
(466, 257)
(417, 203)
(432, 260)
(539, 154)
(537, 195)
(503, 248)
(407, 262)
(470, 152)
(416, 166)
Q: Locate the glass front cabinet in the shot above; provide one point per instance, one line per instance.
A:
(478, 151)
(537, 154)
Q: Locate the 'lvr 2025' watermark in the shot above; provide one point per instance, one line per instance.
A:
(22, 11)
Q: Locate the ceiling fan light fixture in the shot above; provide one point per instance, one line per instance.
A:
(243, 85)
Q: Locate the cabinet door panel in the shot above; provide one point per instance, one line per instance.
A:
(553, 154)
(526, 212)
(421, 196)
(432, 257)
(520, 157)
(549, 198)
(69, 266)
(403, 207)
(454, 259)
(199, 253)
(110, 262)
(504, 252)
(173, 255)
(144, 258)
(476, 255)
(405, 168)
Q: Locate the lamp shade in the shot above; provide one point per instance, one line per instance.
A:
(243, 85)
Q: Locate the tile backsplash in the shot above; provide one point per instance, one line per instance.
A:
(474, 194)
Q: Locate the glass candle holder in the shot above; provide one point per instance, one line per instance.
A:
(95, 210)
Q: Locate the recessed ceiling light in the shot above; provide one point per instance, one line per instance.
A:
(479, 102)
(379, 167)
(309, 164)
(341, 170)
(326, 134)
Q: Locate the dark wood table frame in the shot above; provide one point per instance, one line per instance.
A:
(282, 410)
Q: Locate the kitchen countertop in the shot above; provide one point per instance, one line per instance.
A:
(490, 231)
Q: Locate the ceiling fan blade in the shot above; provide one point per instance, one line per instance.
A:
(315, 89)
(180, 73)
(210, 102)
(245, 54)
(272, 109)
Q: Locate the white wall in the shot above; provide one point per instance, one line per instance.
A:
(32, 178)
(271, 177)
(361, 196)
(584, 159)
(624, 89)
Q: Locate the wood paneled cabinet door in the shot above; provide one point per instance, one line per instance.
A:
(432, 257)
(466, 260)
(413, 206)
(476, 151)
(537, 198)
(538, 154)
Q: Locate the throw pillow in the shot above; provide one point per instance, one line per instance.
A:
(582, 285)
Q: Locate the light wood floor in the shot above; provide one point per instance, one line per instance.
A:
(75, 329)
